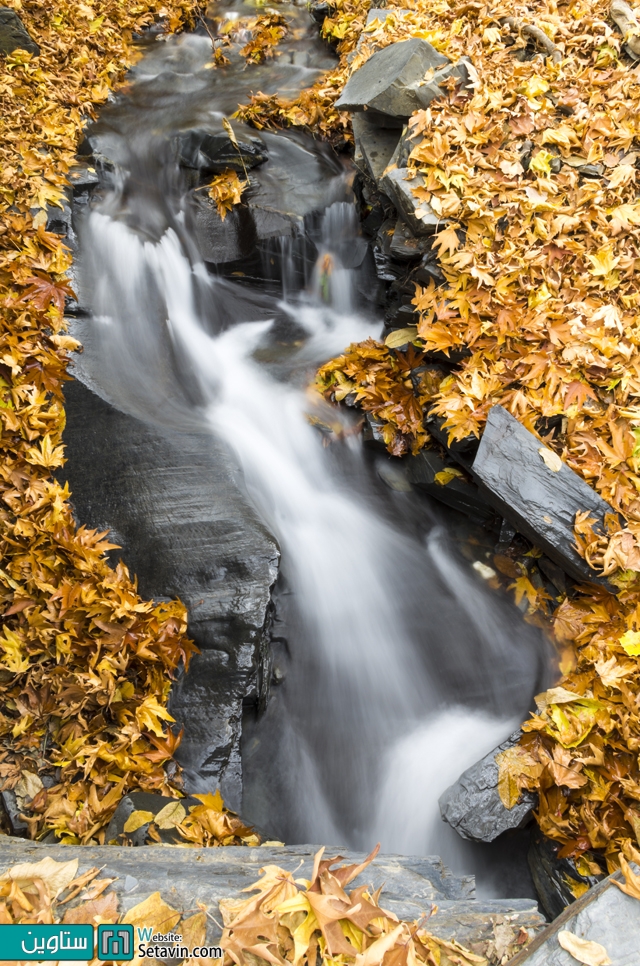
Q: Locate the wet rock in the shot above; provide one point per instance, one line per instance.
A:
(472, 806)
(298, 179)
(214, 152)
(174, 503)
(11, 809)
(462, 450)
(458, 492)
(557, 881)
(143, 802)
(372, 432)
(391, 82)
(14, 34)
(319, 11)
(410, 885)
(603, 915)
(374, 146)
(404, 244)
(397, 184)
(540, 503)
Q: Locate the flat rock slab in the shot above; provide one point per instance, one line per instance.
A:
(374, 145)
(539, 502)
(391, 82)
(459, 493)
(472, 806)
(185, 876)
(174, 504)
(604, 915)
(14, 34)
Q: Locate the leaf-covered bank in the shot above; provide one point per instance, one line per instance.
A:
(85, 664)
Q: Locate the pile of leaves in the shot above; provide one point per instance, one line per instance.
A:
(207, 823)
(533, 169)
(307, 921)
(48, 892)
(85, 663)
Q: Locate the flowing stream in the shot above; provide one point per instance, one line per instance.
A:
(401, 668)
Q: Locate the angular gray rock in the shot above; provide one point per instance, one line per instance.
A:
(404, 244)
(186, 876)
(540, 502)
(397, 184)
(14, 34)
(603, 915)
(472, 806)
(174, 503)
(392, 81)
(374, 145)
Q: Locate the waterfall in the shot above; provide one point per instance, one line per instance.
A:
(403, 668)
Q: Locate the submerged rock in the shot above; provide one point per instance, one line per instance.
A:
(392, 81)
(174, 504)
(214, 151)
(472, 806)
(14, 34)
(533, 489)
(603, 915)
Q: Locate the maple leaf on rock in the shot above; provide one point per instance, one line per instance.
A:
(43, 291)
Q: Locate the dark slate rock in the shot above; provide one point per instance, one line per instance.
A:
(464, 450)
(540, 503)
(214, 152)
(554, 877)
(174, 503)
(410, 885)
(461, 494)
(11, 816)
(374, 146)
(472, 806)
(391, 81)
(404, 244)
(14, 34)
(419, 215)
(299, 178)
(604, 915)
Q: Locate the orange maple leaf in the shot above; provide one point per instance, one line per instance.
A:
(43, 291)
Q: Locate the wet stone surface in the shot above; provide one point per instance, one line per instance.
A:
(174, 503)
(540, 503)
(472, 806)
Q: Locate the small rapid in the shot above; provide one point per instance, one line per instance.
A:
(402, 668)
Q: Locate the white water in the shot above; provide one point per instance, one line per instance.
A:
(404, 669)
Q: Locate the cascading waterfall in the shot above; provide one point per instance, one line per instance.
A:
(403, 670)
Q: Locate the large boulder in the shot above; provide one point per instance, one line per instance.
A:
(374, 145)
(410, 885)
(532, 488)
(605, 916)
(174, 503)
(13, 33)
(392, 81)
(472, 806)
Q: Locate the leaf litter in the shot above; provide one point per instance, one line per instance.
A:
(85, 663)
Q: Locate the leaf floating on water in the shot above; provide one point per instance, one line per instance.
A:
(586, 952)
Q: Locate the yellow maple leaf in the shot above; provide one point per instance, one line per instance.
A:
(149, 715)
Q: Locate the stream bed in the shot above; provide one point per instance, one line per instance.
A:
(388, 667)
